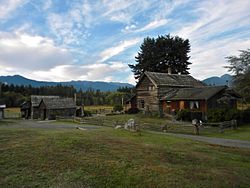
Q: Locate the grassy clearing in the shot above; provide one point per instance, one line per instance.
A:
(98, 109)
(12, 112)
(116, 158)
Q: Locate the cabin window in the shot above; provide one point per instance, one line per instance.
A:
(194, 105)
(141, 104)
(151, 88)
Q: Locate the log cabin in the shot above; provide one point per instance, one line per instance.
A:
(163, 93)
(152, 86)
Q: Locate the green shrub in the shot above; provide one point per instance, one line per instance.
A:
(184, 114)
(216, 115)
(132, 111)
(219, 115)
(87, 113)
(245, 115)
(233, 114)
(118, 108)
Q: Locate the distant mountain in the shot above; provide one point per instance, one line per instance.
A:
(84, 85)
(225, 79)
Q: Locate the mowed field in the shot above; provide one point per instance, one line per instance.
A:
(57, 155)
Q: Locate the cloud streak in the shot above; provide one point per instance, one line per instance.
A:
(6, 7)
(115, 50)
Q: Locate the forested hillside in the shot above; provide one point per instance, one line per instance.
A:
(13, 95)
(80, 84)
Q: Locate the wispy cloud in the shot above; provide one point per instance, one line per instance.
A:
(150, 26)
(23, 52)
(110, 52)
(6, 7)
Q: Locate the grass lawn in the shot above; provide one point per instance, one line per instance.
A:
(241, 133)
(12, 112)
(99, 109)
(154, 123)
(107, 157)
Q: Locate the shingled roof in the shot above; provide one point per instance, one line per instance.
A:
(165, 79)
(36, 99)
(58, 103)
(200, 93)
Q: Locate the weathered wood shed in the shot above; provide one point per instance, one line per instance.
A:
(35, 101)
(49, 108)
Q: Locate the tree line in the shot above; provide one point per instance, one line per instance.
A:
(14, 95)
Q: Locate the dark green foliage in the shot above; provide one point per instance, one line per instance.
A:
(157, 55)
(216, 115)
(118, 108)
(240, 67)
(246, 116)
(13, 95)
(220, 115)
(132, 111)
(126, 89)
(184, 114)
(87, 113)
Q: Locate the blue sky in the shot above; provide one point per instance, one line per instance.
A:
(61, 40)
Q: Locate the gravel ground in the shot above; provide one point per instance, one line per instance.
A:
(211, 140)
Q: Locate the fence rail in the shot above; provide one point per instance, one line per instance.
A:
(167, 127)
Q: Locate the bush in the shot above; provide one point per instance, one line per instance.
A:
(219, 115)
(233, 114)
(87, 113)
(117, 108)
(245, 115)
(132, 111)
(216, 115)
(184, 114)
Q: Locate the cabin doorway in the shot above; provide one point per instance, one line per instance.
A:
(43, 114)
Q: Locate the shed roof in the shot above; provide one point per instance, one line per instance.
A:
(36, 99)
(58, 103)
(165, 79)
(200, 93)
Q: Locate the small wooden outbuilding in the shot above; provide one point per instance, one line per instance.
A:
(35, 101)
(49, 108)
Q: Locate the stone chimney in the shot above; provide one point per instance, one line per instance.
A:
(169, 70)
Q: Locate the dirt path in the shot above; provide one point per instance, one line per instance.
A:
(211, 140)
(45, 124)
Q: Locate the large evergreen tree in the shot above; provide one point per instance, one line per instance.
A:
(159, 54)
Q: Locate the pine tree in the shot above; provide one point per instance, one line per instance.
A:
(157, 55)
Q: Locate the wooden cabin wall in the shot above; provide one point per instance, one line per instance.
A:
(212, 102)
(150, 97)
